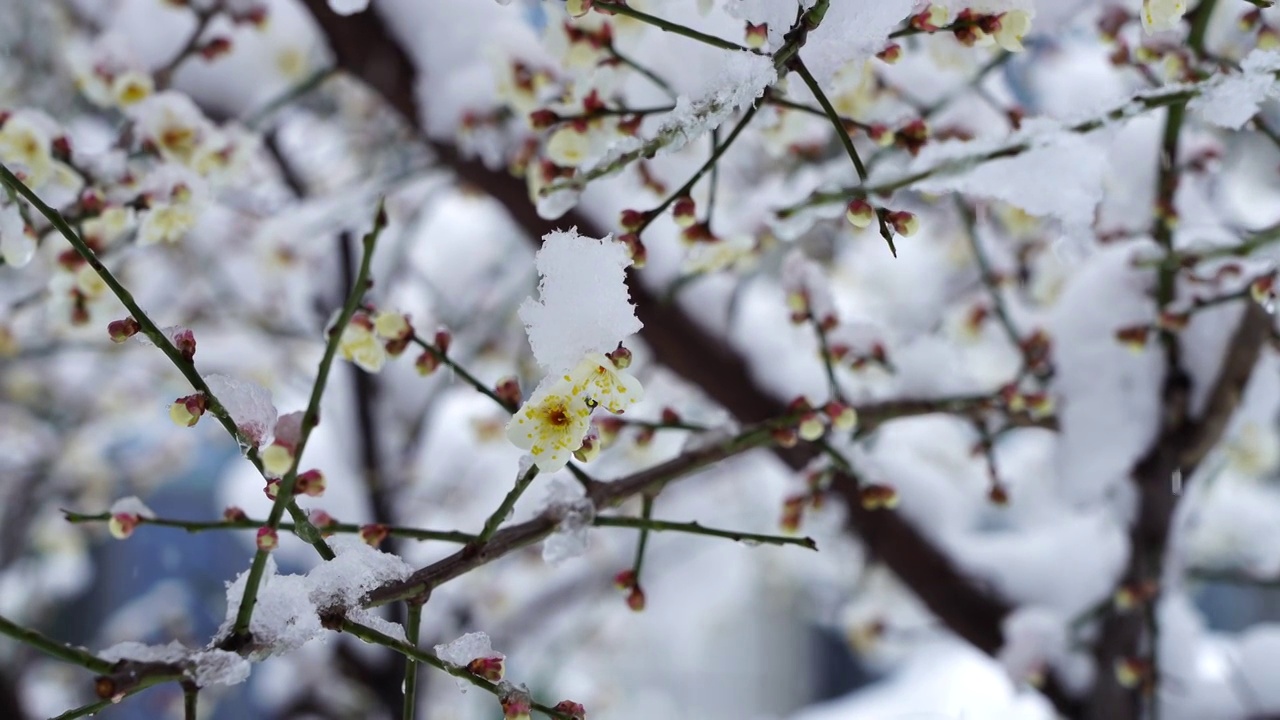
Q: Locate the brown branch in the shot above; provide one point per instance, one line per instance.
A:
(1182, 444)
(365, 48)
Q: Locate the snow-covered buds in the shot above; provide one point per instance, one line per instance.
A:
(186, 411)
(122, 524)
(516, 705)
(574, 710)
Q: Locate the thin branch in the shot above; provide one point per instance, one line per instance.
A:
(412, 631)
(196, 526)
(49, 646)
(310, 418)
(695, 528)
(621, 8)
(495, 520)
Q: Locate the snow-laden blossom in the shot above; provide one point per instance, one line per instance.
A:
(551, 424)
(17, 245)
(26, 145)
(1161, 15)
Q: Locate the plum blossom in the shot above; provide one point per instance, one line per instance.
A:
(16, 244)
(551, 424)
(26, 145)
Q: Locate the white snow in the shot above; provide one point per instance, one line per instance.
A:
(356, 569)
(568, 501)
(852, 31)
(131, 506)
(585, 306)
(206, 667)
(248, 403)
(348, 7)
(1229, 101)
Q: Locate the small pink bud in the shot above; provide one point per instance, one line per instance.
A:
(542, 119)
(757, 35)
(631, 220)
(891, 54)
(489, 668)
(516, 705)
(272, 488)
(186, 411)
(215, 48)
(843, 417)
(574, 710)
(122, 525)
(635, 599)
(590, 448)
(310, 483)
(185, 342)
(321, 519)
(785, 437)
(121, 330)
(508, 391)
(374, 533)
(877, 497)
(860, 213)
(1263, 290)
(268, 539)
(684, 212)
(426, 363)
(904, 223)
(607, 428)
(233, 514)
(621, 357)
(625, 580)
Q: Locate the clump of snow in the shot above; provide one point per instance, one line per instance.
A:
(1075, 164)
(206, 667)
(852, 31)
(568, 502)
(1034, 639)
(1109, 394)
(131, 506)
(248, 403)
(1229, 101)
(371, 619)
(356, 569)
(462, 651)
(284, 618)
(348, 7)
(1259, 653)
(585, 306)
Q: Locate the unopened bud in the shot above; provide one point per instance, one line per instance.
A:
(635, 248)
(310, 483)
(122, 525)
(891, 54)
(374, 533)
(757, 35)
(186, 411)
(268, 539)
(811, 427)
(875, 496)
(684, 212)
(489, 668)
(426, 363)
(860, 213)
(121, 330)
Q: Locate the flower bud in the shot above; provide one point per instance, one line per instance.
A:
(904, 223)
(121, 330)
(635, 599)
(215, 48)
(574, 710)
(508, 391)
(268, 539)
(625, 580)
(1134, 337)
(590, 448)
(310, 483)
(442, 340)
(875, 496)
(793, 513)
(621, 357)
(374, 533)
(390, 325)
(684, 212)
(277, 458)
(1132, 672)
(426, 363)
(811, 427)
(516, 705)
(891, 54)
(843, 417)
(322, 520)
(272, 488)
(233, 514)
(121, 525)
(1263, 290)
(186, 411)
(489, 668)
(578, 8)
(860, 213)
(757, 35)
(632, 220)
(785, 437)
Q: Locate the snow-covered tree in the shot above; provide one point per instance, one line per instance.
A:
(615, 356)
